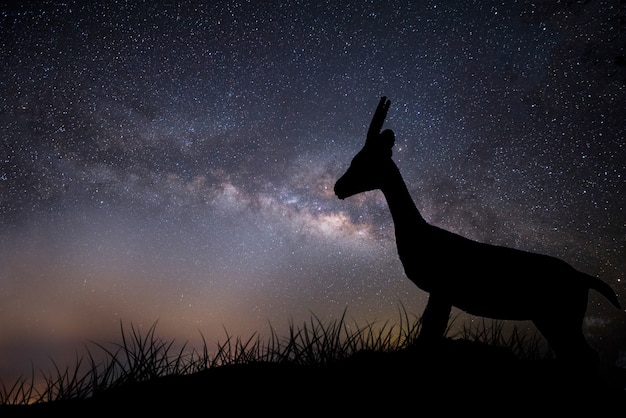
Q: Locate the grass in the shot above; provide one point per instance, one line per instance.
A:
(337, 367)
(142, 357)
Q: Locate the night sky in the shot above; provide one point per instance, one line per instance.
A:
(175, 163)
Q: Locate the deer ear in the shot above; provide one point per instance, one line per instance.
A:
(387, 138)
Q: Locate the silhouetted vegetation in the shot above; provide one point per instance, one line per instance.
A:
(141, 357)
(336, 358)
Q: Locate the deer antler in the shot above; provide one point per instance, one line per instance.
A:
(378, 119)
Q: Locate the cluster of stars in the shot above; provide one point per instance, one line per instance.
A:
(177, 161)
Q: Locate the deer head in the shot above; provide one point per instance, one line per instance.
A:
(364, 173)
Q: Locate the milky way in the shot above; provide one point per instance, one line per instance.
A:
(176, 163)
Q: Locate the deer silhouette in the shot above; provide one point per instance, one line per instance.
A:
(481, 279)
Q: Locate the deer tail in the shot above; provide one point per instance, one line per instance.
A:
(602, 287)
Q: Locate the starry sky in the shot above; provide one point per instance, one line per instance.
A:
(175, 162)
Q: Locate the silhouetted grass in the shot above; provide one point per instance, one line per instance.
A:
(145, 357)
(528, 346)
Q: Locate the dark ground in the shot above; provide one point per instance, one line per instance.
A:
(455, 378)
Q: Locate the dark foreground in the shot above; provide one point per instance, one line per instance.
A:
(457, 377)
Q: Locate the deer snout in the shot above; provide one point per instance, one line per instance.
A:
(338, 192)
(340, 188)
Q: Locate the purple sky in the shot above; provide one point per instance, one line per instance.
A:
(176, 163)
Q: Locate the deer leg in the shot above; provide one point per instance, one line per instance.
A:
(565, 336)
(435, 318)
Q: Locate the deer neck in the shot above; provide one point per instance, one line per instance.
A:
(404, 213)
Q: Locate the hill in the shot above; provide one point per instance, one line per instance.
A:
(455, 377)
